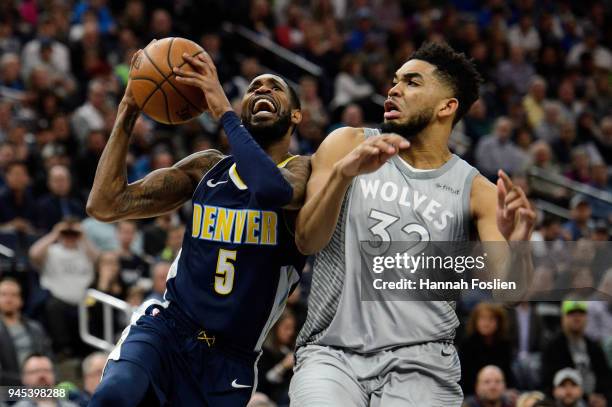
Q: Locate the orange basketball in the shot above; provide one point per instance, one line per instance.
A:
(155, 88)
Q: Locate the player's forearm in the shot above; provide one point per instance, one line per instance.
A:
(111, 175)
(259, 172)
(317, 219)
(510, 262)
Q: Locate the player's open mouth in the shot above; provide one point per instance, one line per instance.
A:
(392, 111)
(263, 106)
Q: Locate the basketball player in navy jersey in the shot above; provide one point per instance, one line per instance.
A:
(237, 264)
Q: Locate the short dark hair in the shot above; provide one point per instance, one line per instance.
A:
(295, 99)
(455, 70)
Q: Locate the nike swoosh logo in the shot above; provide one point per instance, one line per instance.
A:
(239, 386)
(213, 184)
(444, 353)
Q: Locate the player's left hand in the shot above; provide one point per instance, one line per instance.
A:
(204, 76)
(515, 217)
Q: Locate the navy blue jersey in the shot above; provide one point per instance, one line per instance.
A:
(238, 261)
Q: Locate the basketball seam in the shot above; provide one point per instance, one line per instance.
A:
(170, 83)
(144, 78)
(168, 56)
(167, 107)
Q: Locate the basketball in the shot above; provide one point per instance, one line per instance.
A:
(154, 85)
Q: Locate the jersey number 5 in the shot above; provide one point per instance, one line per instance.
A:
(224, 275)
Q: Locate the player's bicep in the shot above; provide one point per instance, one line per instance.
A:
(483, 203)
(165, 189)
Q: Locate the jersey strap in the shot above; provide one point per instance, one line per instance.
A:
(233, 172)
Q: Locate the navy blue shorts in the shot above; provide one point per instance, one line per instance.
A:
(186, 365)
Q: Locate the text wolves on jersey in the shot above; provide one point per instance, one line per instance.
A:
(248, 226)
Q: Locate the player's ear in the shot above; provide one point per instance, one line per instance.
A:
(296, 116)
(448, 107)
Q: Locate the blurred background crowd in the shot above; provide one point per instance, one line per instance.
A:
(544, 116)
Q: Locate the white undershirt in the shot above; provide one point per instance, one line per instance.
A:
(411, 168)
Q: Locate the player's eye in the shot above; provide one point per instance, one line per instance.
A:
(276, 88)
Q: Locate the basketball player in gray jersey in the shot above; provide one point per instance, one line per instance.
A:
(368, 186)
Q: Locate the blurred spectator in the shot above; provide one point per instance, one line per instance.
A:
(161, 25)
(90, 116)
(261, 19)
(563, 146)
(10, 72)
(88, 161)
(18, 205)
(249, 69)
(155, 234)
(599, 180)
(601, 55)
(567, 389)
(515, 72)
(549, 128)
(133, 267)
(38, 371)
(58, 203)
(580, 224)
(486, 343)
(108, 277)
(477, 123)
(99, 10)
(497, 151)
(277, 360)
(91, 369)
(525, 327)
(524, 35)
(570, 107)
(19, 335)
(490, 389)
(45, 49)
(350, 85)
(159, 275)
(533, 102)
(65, 259)
(571, 348)
(599, 315)
(604, 139)
(174, 241)
(311, 102)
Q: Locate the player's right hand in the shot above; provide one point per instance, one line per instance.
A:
(371, 154)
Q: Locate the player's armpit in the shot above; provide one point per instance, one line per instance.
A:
(159, 192)
(297, 172)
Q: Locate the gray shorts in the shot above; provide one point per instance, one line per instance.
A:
(423, 375)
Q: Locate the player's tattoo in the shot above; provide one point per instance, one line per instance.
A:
(161, 191)
(297, 173)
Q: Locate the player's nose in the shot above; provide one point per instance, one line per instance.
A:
(394, 91)
(263, 90)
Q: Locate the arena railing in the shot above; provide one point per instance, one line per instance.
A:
(283, 53)
(576, 187)
(108, 304)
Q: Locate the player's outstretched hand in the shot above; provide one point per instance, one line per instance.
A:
(515, 217)
(371, 154)
(204, 76)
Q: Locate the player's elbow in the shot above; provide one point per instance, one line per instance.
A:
(99, 211)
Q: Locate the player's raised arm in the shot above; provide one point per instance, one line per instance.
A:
(271, 186)
(342, 156)
(503, 214)
(112, 198)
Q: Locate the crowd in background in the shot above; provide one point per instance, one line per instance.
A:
(545, 108)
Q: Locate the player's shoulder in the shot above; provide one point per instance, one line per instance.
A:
(339, 143)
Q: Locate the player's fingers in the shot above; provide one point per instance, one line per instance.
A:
(206, 59)
(516, 204)
(189, 81)
(396, 140)
(384, 146)
(195, 63)
(151, 42)
(506, 179)
(501, 194)
(511, 195)
(187, 74)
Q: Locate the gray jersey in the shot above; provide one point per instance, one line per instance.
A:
(394, 203)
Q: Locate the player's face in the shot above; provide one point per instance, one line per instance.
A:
(412, 101)
(267, 109)
(266, 100)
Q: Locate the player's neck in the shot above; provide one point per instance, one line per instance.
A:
(278, 151)
(426, 152)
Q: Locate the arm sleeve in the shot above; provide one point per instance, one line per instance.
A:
(259, 172)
